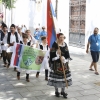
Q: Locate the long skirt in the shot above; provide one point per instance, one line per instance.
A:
(58, 80)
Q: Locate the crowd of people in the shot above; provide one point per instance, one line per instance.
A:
(55, 61)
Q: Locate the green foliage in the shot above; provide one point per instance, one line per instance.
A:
(9, 4)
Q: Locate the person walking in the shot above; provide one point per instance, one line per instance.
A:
(43, 32)
(24, 42)
(59, 57)
(37, 34)
(94, 43)
(4, 44)
(12, 38)
(45, 65)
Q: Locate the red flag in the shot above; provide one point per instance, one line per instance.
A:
(50, 24)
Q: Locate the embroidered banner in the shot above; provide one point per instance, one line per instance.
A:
(27, 57)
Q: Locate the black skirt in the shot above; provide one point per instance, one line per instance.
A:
(58, 80)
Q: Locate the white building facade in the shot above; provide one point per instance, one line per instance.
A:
(32, 15)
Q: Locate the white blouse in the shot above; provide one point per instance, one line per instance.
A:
(58, 56)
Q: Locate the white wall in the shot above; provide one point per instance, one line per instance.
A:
(92, 21)
(92, 17)
(26, 12)
(63, 17)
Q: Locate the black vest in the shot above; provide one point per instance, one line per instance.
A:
(28, 43)
(2, 36)
(8, 38)
(41, 46)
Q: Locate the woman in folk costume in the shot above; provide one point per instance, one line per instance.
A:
(24, 42)
(4, 44)
(59, 56)
(45, 65)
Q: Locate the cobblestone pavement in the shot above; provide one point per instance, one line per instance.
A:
(83, 88)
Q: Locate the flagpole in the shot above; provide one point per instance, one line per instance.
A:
(60, 50)
(56, 9)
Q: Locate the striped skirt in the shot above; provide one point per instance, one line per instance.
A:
(57, 80)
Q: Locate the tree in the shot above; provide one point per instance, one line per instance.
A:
(9, 4)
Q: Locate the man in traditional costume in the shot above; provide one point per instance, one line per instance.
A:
(1, 37)
(4, 44)
(11, 39)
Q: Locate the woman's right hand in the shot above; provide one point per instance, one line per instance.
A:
(59, 52)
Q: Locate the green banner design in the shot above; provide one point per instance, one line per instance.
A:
(31, 58)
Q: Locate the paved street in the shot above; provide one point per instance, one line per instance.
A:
(83, 88)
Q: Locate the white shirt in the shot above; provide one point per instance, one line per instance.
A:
(12, 39)
(23, 29)
(5, 46)
(44, 47)
(20, 37)
(33, 40)
(24, 43)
